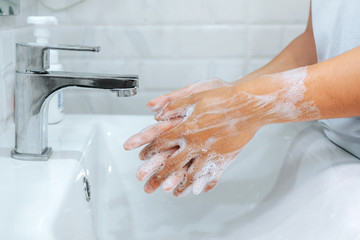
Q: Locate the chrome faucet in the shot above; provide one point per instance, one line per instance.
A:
(35, 86)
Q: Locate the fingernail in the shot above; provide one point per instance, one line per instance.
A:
(139, 176)
(128, 145)
(209, 187)
(157, 116)
(155, 104)
(141, 156)
(151, 107)
(169, 185)
(168, 190)
(200, 184)
(125, 147)
(184, 193)
(143, 173)
(148, 188)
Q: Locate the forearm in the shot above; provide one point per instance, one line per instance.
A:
(334, 85)
(330, 89)
(300, 52)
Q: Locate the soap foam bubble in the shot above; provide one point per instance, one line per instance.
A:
(210, 141)
(200, 183)
(212, 170)
(159, 105)
(138, 138)
(207, 85)
(288, 101)
(151, 166)
(174, 180)
(183, 111)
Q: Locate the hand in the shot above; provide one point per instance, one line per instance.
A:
(150, 133)
(159, 103)
(156, 105)
(211, 128)
(199, 134)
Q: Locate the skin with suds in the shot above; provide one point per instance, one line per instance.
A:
(202, 127)
(211, 133)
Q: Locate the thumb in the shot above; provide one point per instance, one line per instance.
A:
(177, 108)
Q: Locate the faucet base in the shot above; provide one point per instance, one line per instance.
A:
(32, 157)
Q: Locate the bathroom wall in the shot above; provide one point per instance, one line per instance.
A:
(12, 29)
(170, 43)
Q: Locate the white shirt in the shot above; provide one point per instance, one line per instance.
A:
(336, 25)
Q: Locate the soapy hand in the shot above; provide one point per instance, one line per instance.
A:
(199, 133)
(207, 141)
(159, 103)
(196, 138)
(156, 105)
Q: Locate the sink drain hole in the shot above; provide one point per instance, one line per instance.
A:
(87, 189)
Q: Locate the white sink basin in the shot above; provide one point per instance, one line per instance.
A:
(289, 182)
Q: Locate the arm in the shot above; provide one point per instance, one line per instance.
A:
(221, 118)
(300, 52)
(219, 122)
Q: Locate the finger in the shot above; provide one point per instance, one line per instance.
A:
(145, 154)
(173, 180)
(182, 190)
(159, 145)
(153, 165)
(218, 172)
(151, 149)
(200, 183)
(177, 108)
(150, 133)
(197, 174)
(172, 164)
(149, 156)
(183, 193)
(155, 147)
(210, 185)
(158, 103)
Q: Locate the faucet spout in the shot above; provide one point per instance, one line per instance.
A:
(125, 84)
(90, 80)
(43, 85)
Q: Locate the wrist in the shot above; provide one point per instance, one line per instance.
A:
(277, 98)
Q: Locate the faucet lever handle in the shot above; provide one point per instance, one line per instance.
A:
(72, 48)
(35, 57)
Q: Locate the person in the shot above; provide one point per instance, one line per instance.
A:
(202, 127)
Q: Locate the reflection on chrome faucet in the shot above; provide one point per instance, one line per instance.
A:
(34, 87)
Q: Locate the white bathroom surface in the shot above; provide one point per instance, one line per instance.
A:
(289, 182)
